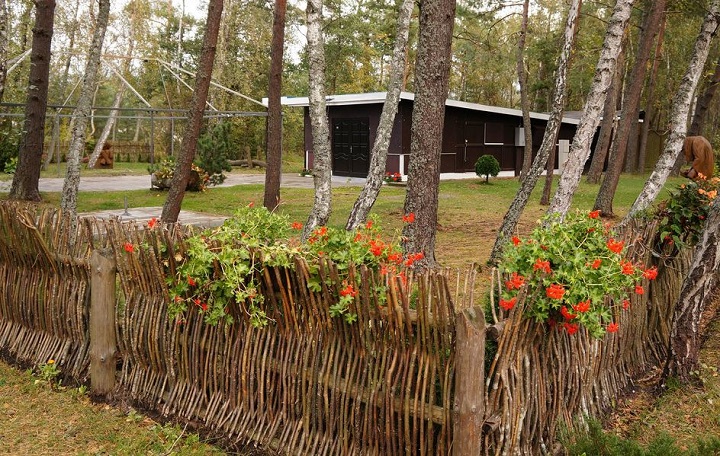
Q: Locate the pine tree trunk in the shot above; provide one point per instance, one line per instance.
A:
(679, 114)
(273, 154)
(524, 99)
(27, 175)
(548, 144)
(432, 74)
(82, 111)
(322, 154)
(594, 105)
(628, 115)
(698, 288)
(378, 157)
(703, 103)
(650, 95)
(109, 125)
(181, 175)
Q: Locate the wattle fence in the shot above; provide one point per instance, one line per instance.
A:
(408, 377)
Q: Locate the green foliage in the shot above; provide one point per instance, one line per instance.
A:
(165, 169)
(9, 148)
(11, 166)
(575, 273)
(487, 166)
(683, 214)
(595, 441)
(220, 274)
(214, 149)
(48, 373)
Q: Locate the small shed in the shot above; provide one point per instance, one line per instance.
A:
(471, 130)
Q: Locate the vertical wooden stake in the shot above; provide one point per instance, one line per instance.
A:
(469, 403)
(102, 323)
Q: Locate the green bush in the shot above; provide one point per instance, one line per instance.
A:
(487, 166)
(9, 148)
(214, 150)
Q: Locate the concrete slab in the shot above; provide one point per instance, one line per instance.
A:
(142, 215)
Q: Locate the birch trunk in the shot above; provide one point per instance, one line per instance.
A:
(698, 288)
(679, 114)
(3, 46)
(604, 74)
(432, 74)
(628, 115)
(108, 128)
(548, 144)
(181, 175)
(322, 158)
(82, 111)
(378, 157)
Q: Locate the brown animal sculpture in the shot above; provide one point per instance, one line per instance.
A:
(699, 153)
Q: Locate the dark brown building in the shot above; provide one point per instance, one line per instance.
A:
(471, 130)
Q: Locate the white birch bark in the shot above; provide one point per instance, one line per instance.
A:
(107, 129)
(378, 156)
(322, 159)
(548, 144)
(679, 114)
(604, 74)
(82, 111)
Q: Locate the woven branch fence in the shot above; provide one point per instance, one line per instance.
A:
(408, 377)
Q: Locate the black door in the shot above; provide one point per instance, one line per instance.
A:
(351, 147)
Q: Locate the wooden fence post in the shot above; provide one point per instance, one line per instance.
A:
(469, 402)
(102, 322)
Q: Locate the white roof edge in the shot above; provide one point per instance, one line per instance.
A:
(379, 97)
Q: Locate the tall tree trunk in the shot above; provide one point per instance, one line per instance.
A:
(3, 46)
(703, 103)
(549, 175)
(548, 143)
(108, 128)
(322, 158)
(699, 287)
(274, 119)
(432, 74)
(82, 111)
(679, 114)
(609, 120)
(378, 157)
(628, 115)
(27, 175)
(171, 209)
(524, 100)
(650, 96)
(604, 74)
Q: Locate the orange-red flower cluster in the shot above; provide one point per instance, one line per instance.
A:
(566, 313)
(582, 306)
(613, 327)
(627, 267)
(296, 226)
(639, 289)
(413, 257)
(516, 281)
(349, 290)
(594, 214)
(152, 223)
(542, 265)
(571, 328)
(651, 274)
(596, 264)
(409, 218)
(516, 240)
(191, 281)
(555, 291)
(615, 246)
(129, 247)
(508, 304)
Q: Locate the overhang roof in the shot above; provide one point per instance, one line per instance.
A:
(379, 97)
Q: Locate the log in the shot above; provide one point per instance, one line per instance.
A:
(244, 163)
(469, 406)
(103, 346)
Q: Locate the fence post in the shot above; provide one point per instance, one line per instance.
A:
(102, 322)
(469, 402)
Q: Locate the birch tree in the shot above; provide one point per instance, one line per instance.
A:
(27, 175)
(432, 73)
(629, 112)
(181, 175)
(322, 159)
(271, 197)
(547, 146)
(378, 157)
(604, 73)
(3, 46)
(522, 84)
(679, 115)
(82, 111)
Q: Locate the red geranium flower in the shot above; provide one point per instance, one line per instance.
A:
(582, 306)
(627, 267)
(626, 304)
(395, 258)
(613, 327)
(651, 274)
(566, 313)
(516, 240)
(129, 247)
(348, 291)
(409, 218)
(639, 289)
(369, 224)
(596, 264)
(297, 225)
(191, 281)
(509, 304)
(615, 246)
(571, 328)
(555, 291)
(594, 214)
(542, 265)
(516, 281)
(152, 223)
